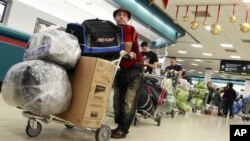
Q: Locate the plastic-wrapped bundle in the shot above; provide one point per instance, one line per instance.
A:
(40, 87)
(169, 103)
(181, 94)
(198, 102)
(55, 46)
(167, 84)
(183, 106)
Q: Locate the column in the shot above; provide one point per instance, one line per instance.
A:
(165, 60)
(247, 88)
(208, 76)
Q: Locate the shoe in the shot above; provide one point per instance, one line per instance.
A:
(118, 133)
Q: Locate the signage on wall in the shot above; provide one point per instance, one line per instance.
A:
(235, 67)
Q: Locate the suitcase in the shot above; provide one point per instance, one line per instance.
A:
(98, 38)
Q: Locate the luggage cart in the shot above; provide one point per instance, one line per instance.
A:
(155, 113)
(246, 111)
(34, 127)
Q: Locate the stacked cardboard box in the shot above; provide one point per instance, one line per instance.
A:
(91, 84)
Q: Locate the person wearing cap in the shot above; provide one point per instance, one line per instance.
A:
(150, 58)
(128, 78)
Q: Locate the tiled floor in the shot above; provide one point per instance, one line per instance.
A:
(191, 127)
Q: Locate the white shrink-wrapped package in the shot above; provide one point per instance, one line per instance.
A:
(55, 46)
(40, 87)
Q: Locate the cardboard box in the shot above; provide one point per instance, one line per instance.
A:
(91, 83)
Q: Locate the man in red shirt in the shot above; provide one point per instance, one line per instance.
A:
(128, 78)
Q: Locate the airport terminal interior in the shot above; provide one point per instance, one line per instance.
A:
(57, 84)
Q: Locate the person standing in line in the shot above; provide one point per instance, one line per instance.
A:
(174, 66)
(128, 78)
(230, 96)
(150, 58)
(211, 91)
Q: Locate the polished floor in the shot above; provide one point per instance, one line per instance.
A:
(191, 127)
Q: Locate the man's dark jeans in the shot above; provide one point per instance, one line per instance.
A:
(126, 93)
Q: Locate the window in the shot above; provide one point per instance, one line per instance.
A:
(41, 23)
(3, 5)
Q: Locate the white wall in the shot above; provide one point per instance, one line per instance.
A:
(23, 17)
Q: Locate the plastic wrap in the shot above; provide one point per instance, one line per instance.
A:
(183, 106)
(181, 94)
(55, 46)
(40, 87)
(167, 84)
(169, 103)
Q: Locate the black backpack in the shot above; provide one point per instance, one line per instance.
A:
(98, 38)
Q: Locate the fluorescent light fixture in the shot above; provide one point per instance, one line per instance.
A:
(207, 28)
(235, 56)
(179, 64)
(193, 64)
(200, 72)
(198, 60)
(216, 71)
(207, 54)
(226, 45)
(191, 70)
(179, 60)
(182, 52)
(246, 1)
(197, 45)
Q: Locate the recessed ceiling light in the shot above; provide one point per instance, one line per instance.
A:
(216, 71)
(200, 72)
(207, 54)
(246, 1)
(193, 64)
(179, 60)
(179, 64)
(198, 60)
(226, 45)
(191, 70)
(197, 45)
(207, 28)
(182, 52)
(235, 56)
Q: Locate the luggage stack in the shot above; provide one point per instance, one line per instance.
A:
(169, 101)
(198, 94)
(181, 99)
(40, 84)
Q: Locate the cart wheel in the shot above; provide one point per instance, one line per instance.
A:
(33, 131)
(69, 126)
(173, 114)
(103, 133)
(158, 121)
(194, 110)
(135, 121)
(243, 118)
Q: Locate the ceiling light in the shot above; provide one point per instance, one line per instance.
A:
(179, 60)
(246, 1)
(198, 60)
(192, 70)
(200, 72)
(207, 54)
(193, 64)
(235, 56)
(226, 45)
(216, 71)
(182, 52)
(207, 28)
(197, 45)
